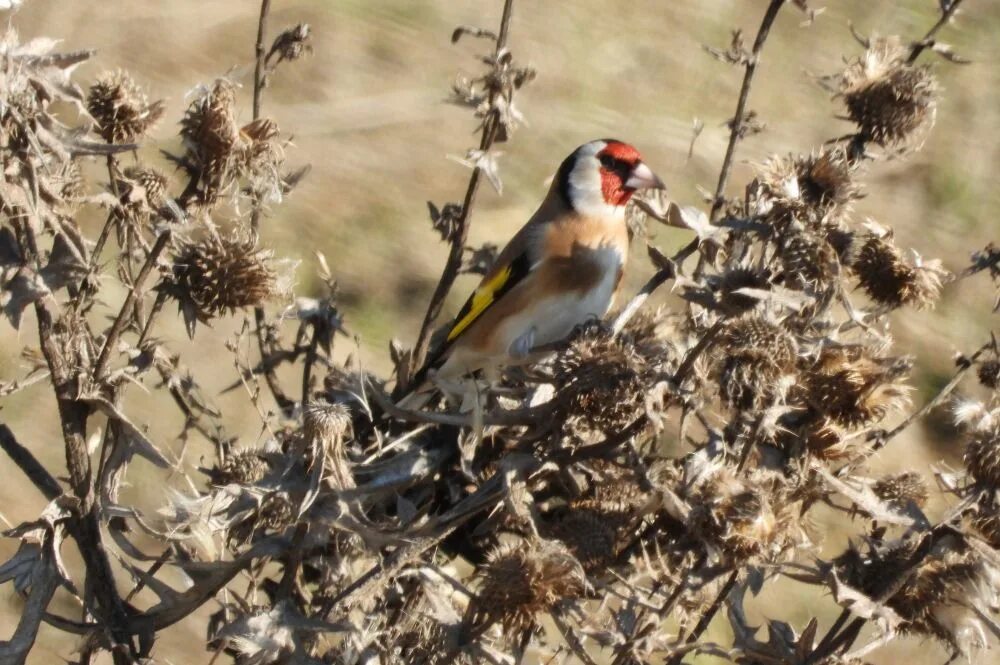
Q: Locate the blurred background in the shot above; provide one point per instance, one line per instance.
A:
(368, 111)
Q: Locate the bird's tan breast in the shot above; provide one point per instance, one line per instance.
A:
(581, 250)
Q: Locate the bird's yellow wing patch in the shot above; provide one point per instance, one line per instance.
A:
(480, 300)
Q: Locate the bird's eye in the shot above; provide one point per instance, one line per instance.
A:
(608, 162)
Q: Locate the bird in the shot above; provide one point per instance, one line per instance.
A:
(562, 269)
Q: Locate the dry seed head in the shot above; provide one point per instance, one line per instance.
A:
(276, 512)
(890, 100)
(736, 517)
(889, 280)
(808, 260)
(814, 187)
(292, 43)
(826, 440)
(728, 283)
(988, 373)
(219, 150)
(982, 455)
(854, 388)
(986, 522)
(222, 273)
(329, 425)
(591, 530)
(899, 489)
(146, 186)
(756, 356)
(326, 422)
(601, 381)
(519, 581)
(121, 108)
(245, 467)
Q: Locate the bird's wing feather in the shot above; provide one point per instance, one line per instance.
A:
(489, 292)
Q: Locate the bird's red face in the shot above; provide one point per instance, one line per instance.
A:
(601, 176)
(618, 161)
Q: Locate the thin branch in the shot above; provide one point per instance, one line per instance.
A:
(741, 106)
(491, 126)
(928, 39)
(121, 321)
(883, 438)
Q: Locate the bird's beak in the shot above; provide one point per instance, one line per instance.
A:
(642, 177)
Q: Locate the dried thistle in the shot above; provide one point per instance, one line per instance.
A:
(519, 581)
(218, 274)
(808, 260)
(853, 387)
(291, 44)
(123, 112)
(739, 518)
(244, 467)
(757, 361)
(817, 187)
(601, 381)
(329, 425)
(899, 489)
(889, 280)
(890, 100)
(982, 454)
(936, 597)
(219, 150)
(988, 373)
(592, 530)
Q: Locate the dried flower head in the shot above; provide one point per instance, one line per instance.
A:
(245, 467)
(816, 187)
(988, 373)
(328, 425)
(891, 281)
(808, 260)
(891, 100)
(854, 387)
(592, 530)
(216, 274)
(986, 522)
(121, 108)
(899, 489)
(521, 580)
(291, 44)
(937, 598)
(982, 454)
(757, 359)
(143, 188)
(738, 517)
(219, 150)
(728, 285)
(602, 381)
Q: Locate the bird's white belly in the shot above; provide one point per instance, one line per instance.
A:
(554, 318)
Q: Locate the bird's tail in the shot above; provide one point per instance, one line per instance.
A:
(420, 392)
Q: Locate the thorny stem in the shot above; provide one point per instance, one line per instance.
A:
(928, 39)
(126, 310)
(709, 614)
(491, 126)
(741, 105)
(883, 438)
(265, 344)
(258, 72)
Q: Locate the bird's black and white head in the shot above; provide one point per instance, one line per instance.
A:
(601, 176)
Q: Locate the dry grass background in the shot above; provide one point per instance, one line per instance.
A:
(367, 113)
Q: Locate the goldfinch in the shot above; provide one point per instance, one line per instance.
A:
(563, 268)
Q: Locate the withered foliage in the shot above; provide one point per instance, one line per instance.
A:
(602, 504)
